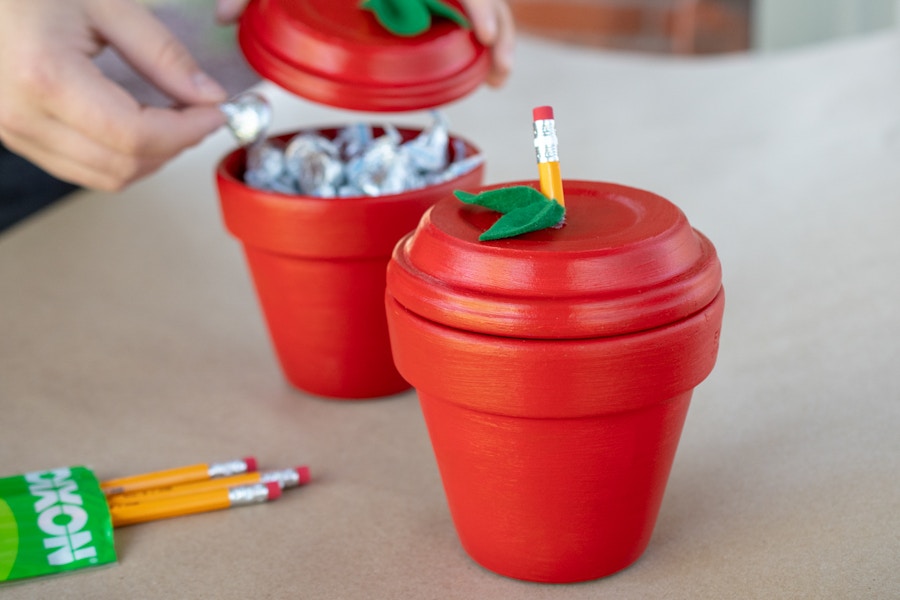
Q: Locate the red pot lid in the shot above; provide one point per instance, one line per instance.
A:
(625, 261)
(336, 53)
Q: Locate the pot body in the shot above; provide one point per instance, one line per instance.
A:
(555, 371)
(554, 454)
(318, 268)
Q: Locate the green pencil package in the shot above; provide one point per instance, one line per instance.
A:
(53, 522)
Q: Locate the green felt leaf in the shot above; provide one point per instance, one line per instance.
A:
(503, 199)
(409, 18)
(532, 217)
(404, 18)
(524, 209)
(442, 9)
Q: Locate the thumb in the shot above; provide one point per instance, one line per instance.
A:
(484, 20)
(148, 46)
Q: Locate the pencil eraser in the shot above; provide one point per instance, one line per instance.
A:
(542, 113)
(274, 490)
(303, 475)
(251, 464)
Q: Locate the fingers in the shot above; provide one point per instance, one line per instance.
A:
(227, 11)
(145, 43)
(77, 155)
(89, 102)
(89, 130)
(494, 27)
(59, 111)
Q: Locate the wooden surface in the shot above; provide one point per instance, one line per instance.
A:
(130, 340)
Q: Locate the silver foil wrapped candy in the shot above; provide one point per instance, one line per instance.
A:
(360, 160)
(249, 116)
(314, 163)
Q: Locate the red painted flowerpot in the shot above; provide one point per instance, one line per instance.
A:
(335, 52)
(555, 370)
(318, 266)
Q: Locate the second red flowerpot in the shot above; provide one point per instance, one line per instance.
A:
(318, 266)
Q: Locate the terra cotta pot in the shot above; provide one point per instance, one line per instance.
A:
(555, 370)
(318, 266)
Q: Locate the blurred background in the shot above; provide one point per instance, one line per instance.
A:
(679, 27)
(696, 27)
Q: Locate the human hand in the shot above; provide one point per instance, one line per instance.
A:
(228, 11)
(495, 28)
(492, 21)
(59, 111)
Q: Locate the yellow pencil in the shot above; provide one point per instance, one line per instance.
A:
(546, 148)
(178, 476)
(210, 500)
(286, 478)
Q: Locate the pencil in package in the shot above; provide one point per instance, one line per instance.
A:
(53, 522)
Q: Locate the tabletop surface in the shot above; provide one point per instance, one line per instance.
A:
(130, 341)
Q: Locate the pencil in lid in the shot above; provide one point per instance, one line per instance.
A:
(208, 501)
(546, 149)
(178, 476)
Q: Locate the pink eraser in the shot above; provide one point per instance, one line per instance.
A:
(303, 474)
(542, 113)
(251, 464)
(274, 490)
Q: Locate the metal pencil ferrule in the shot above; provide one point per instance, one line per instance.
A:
(232, 467)
(544, 128)
(248, 494)
(546, 153)
(546, 144)
(285, 478)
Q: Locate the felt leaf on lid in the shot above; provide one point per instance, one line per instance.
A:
(442, 9)
(524, 209)
(412, 17)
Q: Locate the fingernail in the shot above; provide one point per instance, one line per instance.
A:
(208, 87)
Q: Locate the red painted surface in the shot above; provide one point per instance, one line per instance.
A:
(318, 266)
(555, 445)
(626, 260)
(335, 53)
